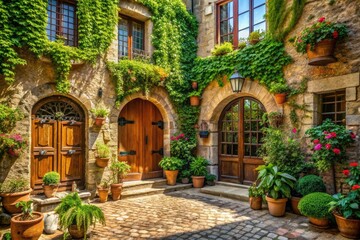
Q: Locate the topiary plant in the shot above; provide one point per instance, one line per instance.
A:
(51, 178)
(171, 163)
(222, 49)
(310, 184)
(316, 205)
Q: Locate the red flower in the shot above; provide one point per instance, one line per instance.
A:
(346, 172)
(333, 134)
(316, 141)
(336, 151)
(326, 132)
(328, 146)
(353, 164)
(172, 138)
(321, 19)
(352, 135)
(355, 187)
(300, 40)
(335, 34)
(294, 130)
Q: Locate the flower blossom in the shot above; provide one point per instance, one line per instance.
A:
(336, 151)
(346, 172)
(328, 146)
(321, 19)
(294, 130)
(316, 141)
(352, 135)
(355, 187)
(353, 164)
(335, 34)
(333, 134)
(317, 147)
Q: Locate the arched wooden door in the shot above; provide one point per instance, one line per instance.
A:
(239, 139)
(57, 142)
(141, 139)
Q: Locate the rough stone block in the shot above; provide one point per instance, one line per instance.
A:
(351, 94)
(353, 120)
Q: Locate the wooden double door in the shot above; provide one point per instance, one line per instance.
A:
(240, 137)
(141, 139)
(57, 142)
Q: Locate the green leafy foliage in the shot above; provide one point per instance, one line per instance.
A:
(51, 178)
(26, 210)
(171, 163)
(119, 170)
(210, 177)
(103, 150)
(255, 191)
(100, 112)
(310, 184)
(198, 166)
(8, 117)
(279, 88)
(181, 147)
(275, 183)
(353, 174)
(15, 185)
(316, 205)
(185, 173)
(348, 206)
(222, 49)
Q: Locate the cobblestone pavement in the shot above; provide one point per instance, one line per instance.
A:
(192, 215)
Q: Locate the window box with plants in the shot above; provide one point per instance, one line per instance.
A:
(51, 181)
(103, 155)
(319, 41)
(103, 190)
(28, 224)
(171, 167)
(14, 191)
(277, 186)
(198, 171)
(280, 90)
(256, 197)
(100, 115)
(119, 170)
(194, 98)
(76, 217)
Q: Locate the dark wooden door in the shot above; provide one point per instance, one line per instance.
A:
(57, 142)
(141, 139)
(239, 139)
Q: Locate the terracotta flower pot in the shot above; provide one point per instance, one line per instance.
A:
(171, 176)
(185, 180)
(102, 162)
(319, 222)
(276, 207)
(198, 181)
(76, 233)
(103, 194)
(116, 191)
(322, 54)
(194, 85)
(349, 228)
(294, 205)
(99, 121)
(280, 98)
(210, 183)
(255, 203)
(194, 100)
(30, 229)
(10, 199)
(50, 190)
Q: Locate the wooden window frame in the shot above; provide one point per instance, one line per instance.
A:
(335, 102)
(236, 19)
(130, 34)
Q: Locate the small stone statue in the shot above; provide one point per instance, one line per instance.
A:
(74, 187)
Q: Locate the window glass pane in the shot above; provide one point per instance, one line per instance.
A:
(226, 11)
(67, 23)
(235, 149)
(123, 32)
(258, 2)
(260, 27)
(243, 6)
(138, 33)
(259, 13)
(244, 33)
(334, 107)
(244, 21)
(51, 21)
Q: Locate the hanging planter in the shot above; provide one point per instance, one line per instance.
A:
(204, 129)
(280, 91)
(280, 98)
(194, 100)
(322, 53)
(204, 134)
(100, 115)
(194, 85)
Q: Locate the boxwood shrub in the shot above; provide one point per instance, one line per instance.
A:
(316, 205)
(310, 184)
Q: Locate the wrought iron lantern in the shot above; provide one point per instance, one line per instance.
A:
(237, 82)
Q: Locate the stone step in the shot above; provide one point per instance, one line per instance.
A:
(133, 185)
(153, 190)
(237, 193)
(228, 184)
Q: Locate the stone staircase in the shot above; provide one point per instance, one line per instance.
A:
(228, 190)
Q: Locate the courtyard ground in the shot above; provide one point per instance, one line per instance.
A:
(189, 214)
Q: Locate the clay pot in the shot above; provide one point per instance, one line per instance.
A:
(29, 229)
(171, 176)
(319, 222)
(50, 190)
(276, 207)
(116, 191)
(198, 181)
(280, 98)
(294, 205)
(210, 183)
(185, 180)
(254, 41)
(10, 199)
(76, 233)
(322, 54)
(103, 194)
(349, 228)
(102, 162)
(194, 100)
(99, 121)
(255, 203)
(194, 85)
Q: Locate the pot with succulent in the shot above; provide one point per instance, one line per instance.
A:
(103, 155)
(195, 98)
(14, 191)
(51, 181)
(346, 208)
(256, 197)
(100, 115)
(119, 170)
(76, 217)
(210, 179)
(185, 176)
(28, 224)
(277, 186)
(319, 41)
(198, 171)
(171, 167)
(103, 190)
(280, 90)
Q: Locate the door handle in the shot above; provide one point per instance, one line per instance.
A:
(160, 151)
(42, 152)
(71, 152)
(131, 152)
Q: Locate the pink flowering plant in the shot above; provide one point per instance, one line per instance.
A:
(317, 32)
(12, 144)
(181, 147)
(329, 143)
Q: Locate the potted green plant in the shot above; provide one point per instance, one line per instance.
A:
(275, 119)
(171, 166)
(119, 170)
(319, 41)
(185, 175)
(210, 179)
(255, 197)
(103, 155)
(280, 90)
(28, 224)
(277, 186)
(100, 115)
(51, 181)
(14, 191)
(254, 37)
(12, 144)
(199, 171)
(76, 217)
(315, 206)
(103, 190)
(194, 98)
(222, 49)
